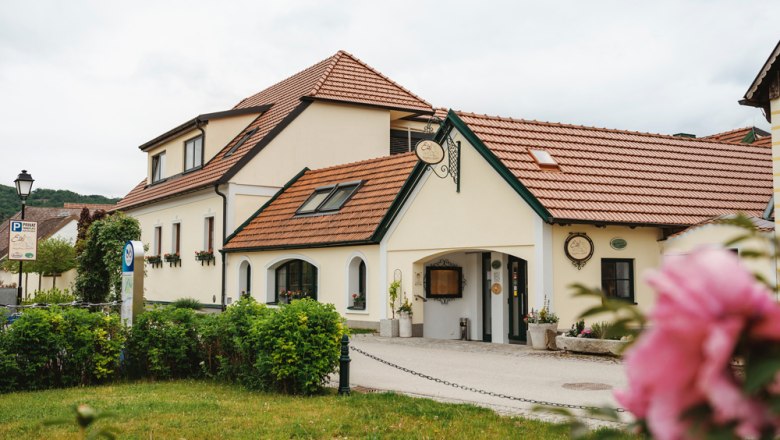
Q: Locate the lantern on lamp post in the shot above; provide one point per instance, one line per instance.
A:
(24, 183)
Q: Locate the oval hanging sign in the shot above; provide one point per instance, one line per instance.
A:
(618, 243)
(429, 152)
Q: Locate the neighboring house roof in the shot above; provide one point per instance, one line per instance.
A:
(50, 220)
(386, 183)
(747, 135)
(761, 225)
(622, 177)
(341, 78)
(91, 206)
(758, 94)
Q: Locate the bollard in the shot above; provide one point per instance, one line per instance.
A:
(344, 367)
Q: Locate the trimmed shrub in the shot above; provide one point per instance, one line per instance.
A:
(163, 344)
(186, 303)
(56, 348)
(299, 346)
(50, 296)
(229, 345)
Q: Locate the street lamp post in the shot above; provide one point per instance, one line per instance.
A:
(23, 188)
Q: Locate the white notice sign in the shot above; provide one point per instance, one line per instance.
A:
(23, 240)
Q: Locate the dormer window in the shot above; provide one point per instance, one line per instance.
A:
(240, 142)
(158, 165)
(544, 159)
(328, 198)
(193, 153)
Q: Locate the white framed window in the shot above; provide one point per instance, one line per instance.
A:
(157, 245)
(158, 167)
(208, 234)
(193, 153)
(176, 239)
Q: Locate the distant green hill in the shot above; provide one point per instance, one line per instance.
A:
(51, 198)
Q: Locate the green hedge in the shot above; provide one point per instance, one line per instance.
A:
(59, 348)
(292, 349)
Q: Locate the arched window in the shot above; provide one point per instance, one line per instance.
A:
(296, 279)
(245, 279)
(357, 284)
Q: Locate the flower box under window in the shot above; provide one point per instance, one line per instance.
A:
(172, 259)
(154, 260)
(206, 257)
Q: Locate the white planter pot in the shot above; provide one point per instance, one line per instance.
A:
(538, 333)
(405, 327)
(388, 328)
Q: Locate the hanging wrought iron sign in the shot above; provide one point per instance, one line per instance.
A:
(429, 152)
(578, 248)
(432, 153)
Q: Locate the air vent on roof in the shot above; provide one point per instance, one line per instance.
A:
(241, 142)
(685, 135)
(544, 159)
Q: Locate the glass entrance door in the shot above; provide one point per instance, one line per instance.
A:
(487, 303)
(518, 298)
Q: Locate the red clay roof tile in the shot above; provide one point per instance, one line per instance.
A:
(278, 226)
(762, 138)
(629, 177)
(341, 77)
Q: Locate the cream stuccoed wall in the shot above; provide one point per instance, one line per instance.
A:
(717, 235)
(191, 279)
(324, 134)
(643, 247)
(486, 215)
(332, 273)
(218, 133)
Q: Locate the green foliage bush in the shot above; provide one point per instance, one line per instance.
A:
(605, 330)
(186, 303)
(59, 348)
(99, 263)
(50, 296)
(230, 345)
(164, 344)
(299, 346)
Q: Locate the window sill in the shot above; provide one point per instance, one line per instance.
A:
(351, 311)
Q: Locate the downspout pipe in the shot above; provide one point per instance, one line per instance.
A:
(224, 235)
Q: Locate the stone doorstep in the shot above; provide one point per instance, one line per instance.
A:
(592, 346)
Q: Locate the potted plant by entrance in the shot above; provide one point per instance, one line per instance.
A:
(540, 324)
(389, 327)
(405, 323)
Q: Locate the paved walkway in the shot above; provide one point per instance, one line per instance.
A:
(514, 370)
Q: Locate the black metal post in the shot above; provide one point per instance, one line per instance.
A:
(344, 361)
(19, 288)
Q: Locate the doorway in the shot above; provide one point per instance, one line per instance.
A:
(518, 298)
(487, 308)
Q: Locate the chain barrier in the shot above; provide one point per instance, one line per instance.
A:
(477, 390)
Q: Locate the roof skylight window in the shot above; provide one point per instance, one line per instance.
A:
(328, 198)
(241, 142)
(544, 159)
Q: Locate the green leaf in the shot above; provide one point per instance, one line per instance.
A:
(738, 239)
(760, 372)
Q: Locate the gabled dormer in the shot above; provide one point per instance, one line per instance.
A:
(192, 144)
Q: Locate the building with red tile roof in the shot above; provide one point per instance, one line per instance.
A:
(748, 135)
(207, 175)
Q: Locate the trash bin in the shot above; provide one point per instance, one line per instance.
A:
(464, 329)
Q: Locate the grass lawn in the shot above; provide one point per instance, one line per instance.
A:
(207, 410)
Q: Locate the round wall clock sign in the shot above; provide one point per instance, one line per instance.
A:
(578, 248)
(429, 152)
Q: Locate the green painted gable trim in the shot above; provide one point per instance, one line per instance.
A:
(499, 166)
(399, 202)
(265, 205)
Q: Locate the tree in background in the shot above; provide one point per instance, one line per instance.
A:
(100, 264)
(12, 266)
(55, 256)
(85, 219)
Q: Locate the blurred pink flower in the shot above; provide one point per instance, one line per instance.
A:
(706, 301)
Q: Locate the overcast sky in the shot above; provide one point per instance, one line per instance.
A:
(83, 84)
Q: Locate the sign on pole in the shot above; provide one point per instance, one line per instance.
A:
(132, 281)
(23, 240)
